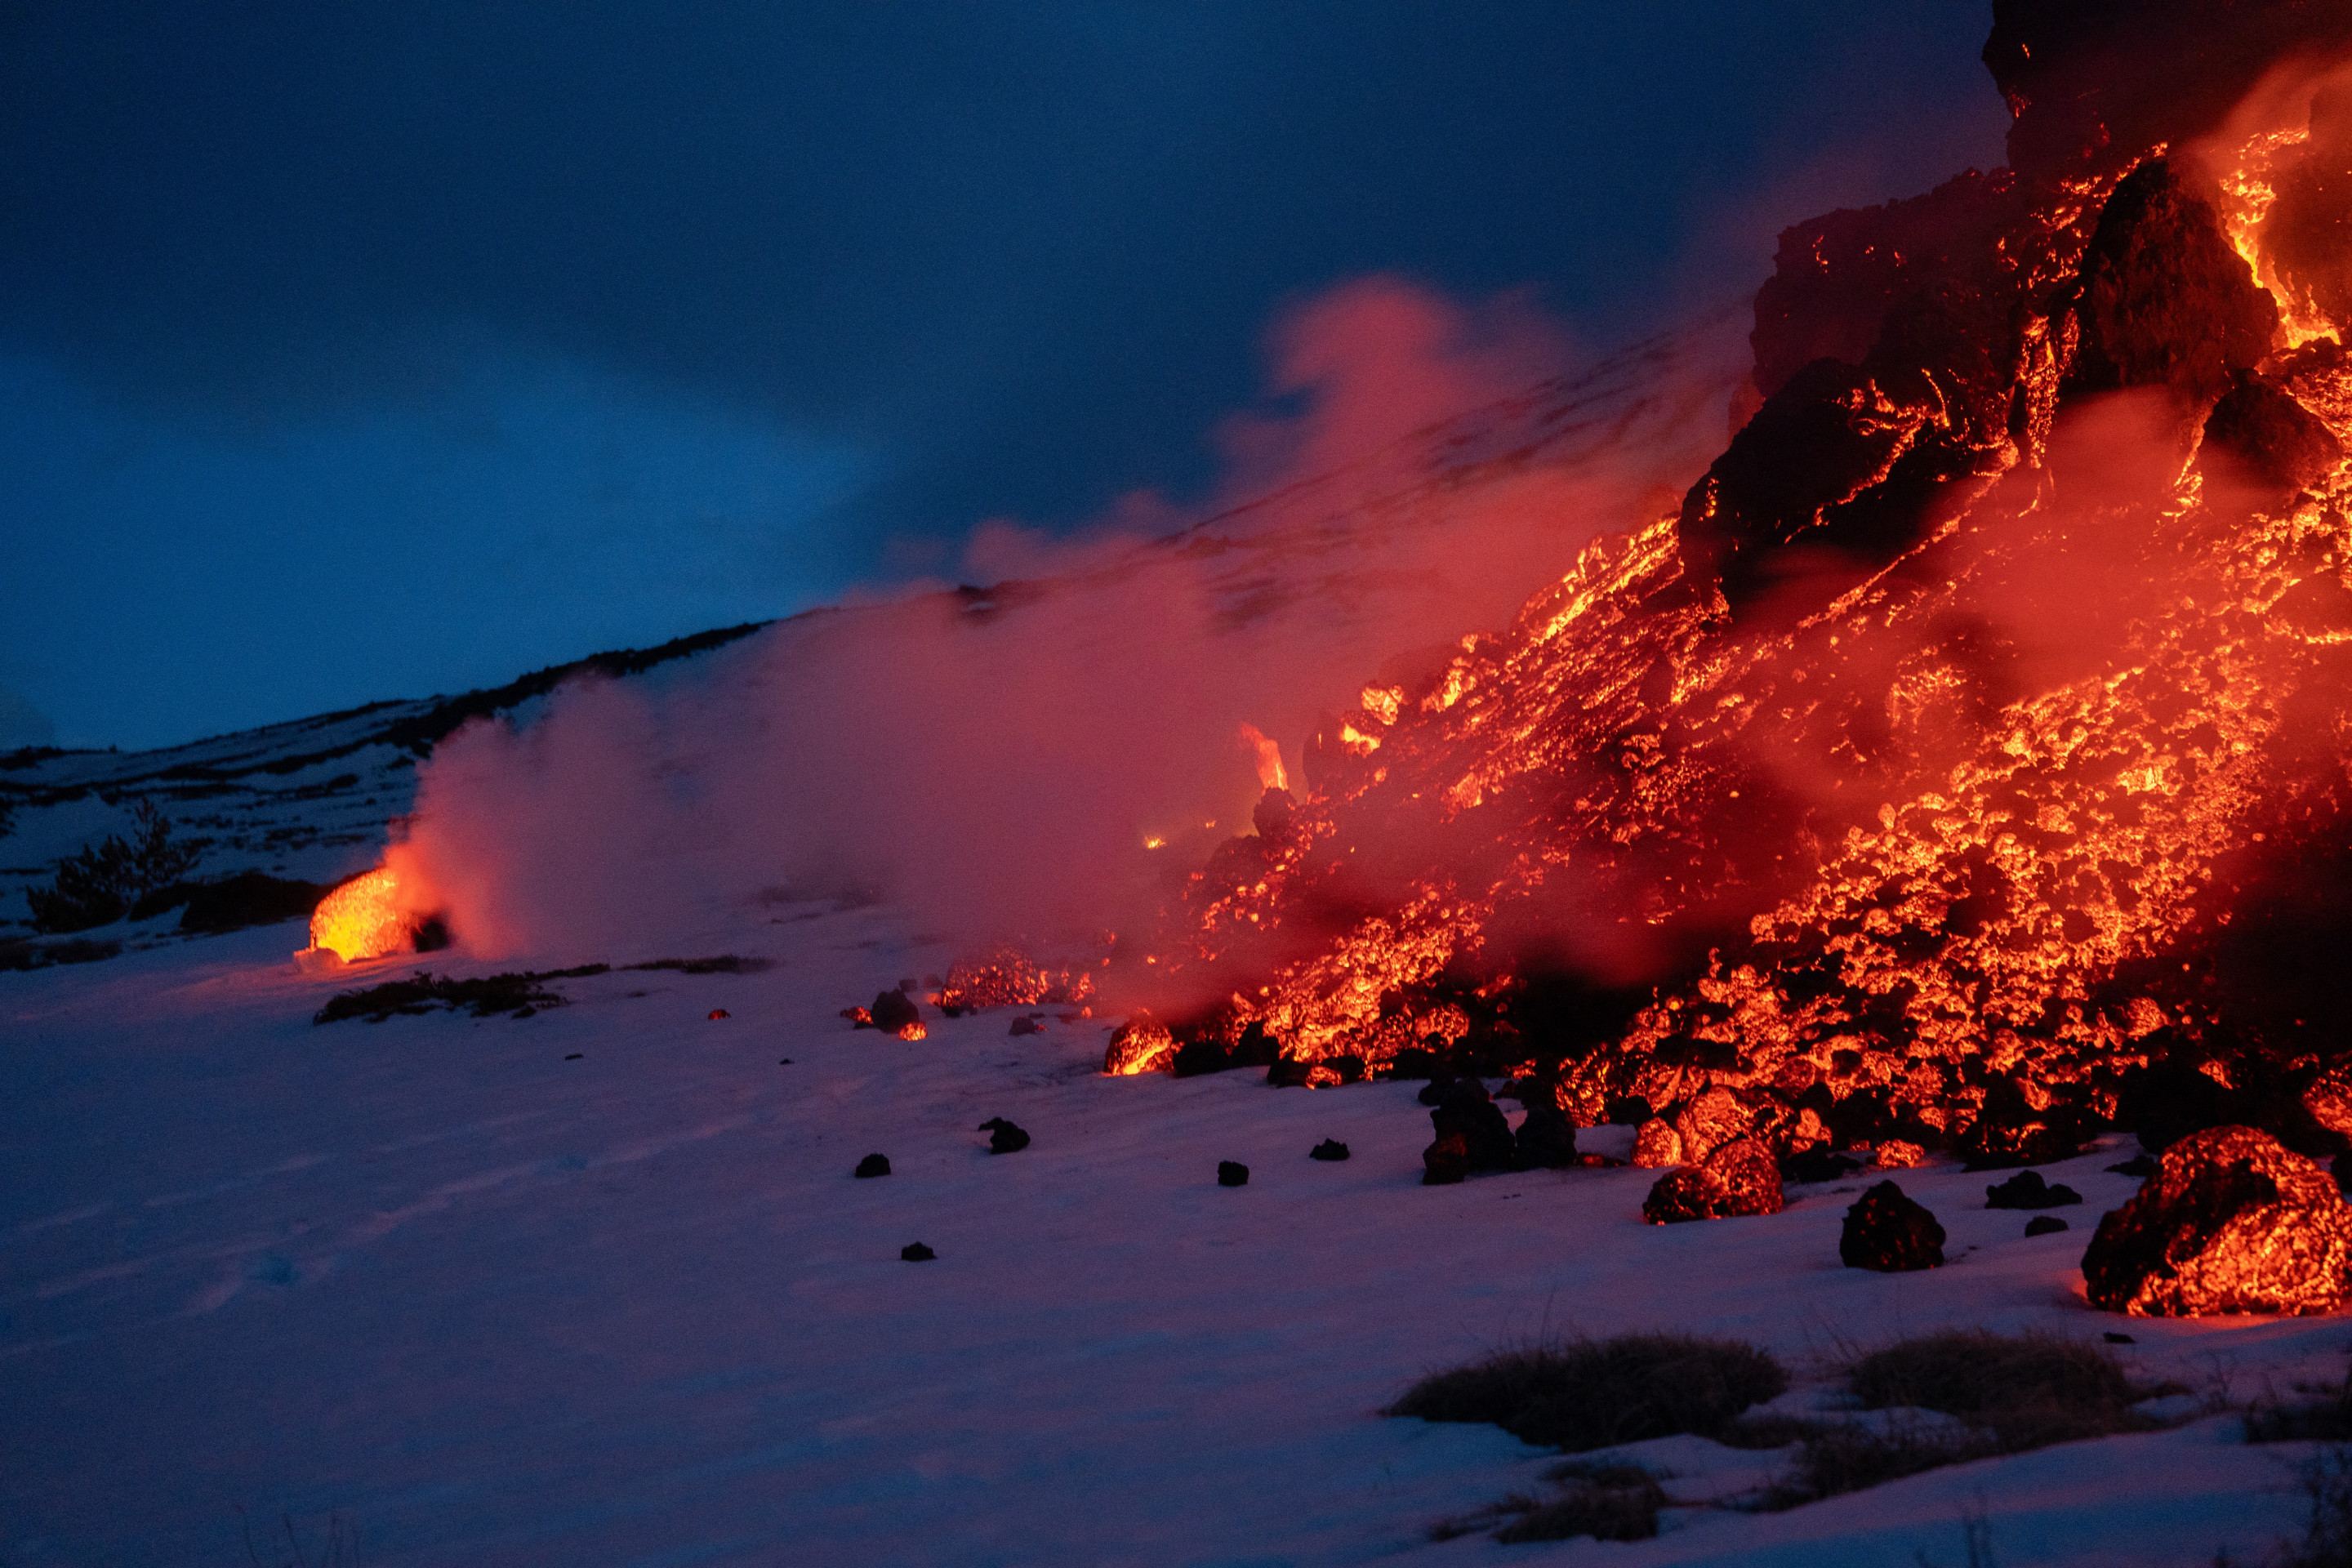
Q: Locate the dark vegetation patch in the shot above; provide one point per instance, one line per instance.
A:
(2004, 1394)
(725, 964)
(1595, 1394)
(18, 954)
(2030, 1389)
(103, 882)
(517, 996)
(1607, 1502)
(2318, 1415)
(247, 899)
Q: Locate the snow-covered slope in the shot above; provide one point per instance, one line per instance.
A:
(597, 1287)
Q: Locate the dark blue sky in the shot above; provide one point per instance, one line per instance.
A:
(367, 349)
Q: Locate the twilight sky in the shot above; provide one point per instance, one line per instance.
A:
(376, 349)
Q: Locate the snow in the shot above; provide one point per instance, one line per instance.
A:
(491, 1305)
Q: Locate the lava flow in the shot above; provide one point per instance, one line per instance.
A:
(371, 915)
(1969, 750)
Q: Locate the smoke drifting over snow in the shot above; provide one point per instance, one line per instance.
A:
(1029, 761)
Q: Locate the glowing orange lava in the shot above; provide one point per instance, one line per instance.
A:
(1270, 771)
(364, 917)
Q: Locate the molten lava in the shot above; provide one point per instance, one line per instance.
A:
(1269, 756)
(1902, 788)
(364, 917)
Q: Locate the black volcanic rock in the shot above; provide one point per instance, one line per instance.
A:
(1196, 1059)
(1887, 1231)
(1467, 1113)
(2027, 1190)
(1003, 1137)
(892, 1011)
(2094, 83)
(1846, 461)
(1546, 1139)
(2165, 301)
(916, 1252)
(2305, 230)
(2261, 438)
(871, 1166)
(2009, 1132)
(1817, 1164)
(1026, 1026)
(2044, 1224)
(1232, 1174)
(1445, 1161)
(1329, 1149)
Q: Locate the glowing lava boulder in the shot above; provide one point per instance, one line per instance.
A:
(2232, 1221)
(1739, 1178)
(1141, 1044)
(368, 916)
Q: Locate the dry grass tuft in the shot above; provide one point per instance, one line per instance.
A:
(2028, 1390)
(2006, 1393)
(1595, 1394)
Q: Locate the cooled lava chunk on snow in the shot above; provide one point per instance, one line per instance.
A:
(871, 1166)
(1890, 1232)
(916, 1252)
(1467, 1116)
(2046, 1224)
(1329, 1149)
(2027, 1190)
(1003, 1137)
(2232, 1221)
(1232, 1174)
(1546, 1139)
(1737, 1179)
(893, 1012)
(1445, 1161)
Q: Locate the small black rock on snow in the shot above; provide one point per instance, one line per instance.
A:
(1232, 1174)
(1890, 1233)
(1003, 1137)
(872, 1166)
(2027, 1190)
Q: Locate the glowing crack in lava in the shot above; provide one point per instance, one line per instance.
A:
(364, 917)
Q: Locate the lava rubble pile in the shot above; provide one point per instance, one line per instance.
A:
(1963, 766)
